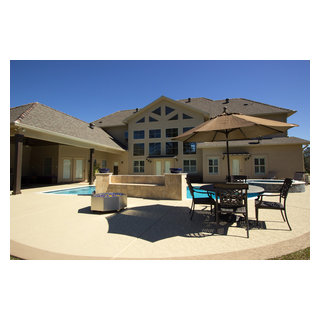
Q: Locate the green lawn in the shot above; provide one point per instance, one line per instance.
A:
(298, 255)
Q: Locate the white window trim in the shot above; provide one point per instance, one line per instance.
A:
(213, 173)
(144, 166)
(183, 160)
(254, 166)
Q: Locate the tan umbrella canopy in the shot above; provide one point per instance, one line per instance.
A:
(233, 126)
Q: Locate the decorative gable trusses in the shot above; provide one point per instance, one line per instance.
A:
(168, 112)
(167, 109)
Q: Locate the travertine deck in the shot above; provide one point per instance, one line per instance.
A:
(48, 226)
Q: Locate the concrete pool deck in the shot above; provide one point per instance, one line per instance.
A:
(51, 226)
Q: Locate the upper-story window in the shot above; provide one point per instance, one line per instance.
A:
(157, 111)
(141, 120)
(172, 148)
(138, 149)
(189, 148)
(154, 149)
(169, 110)
(186, 116)
(259, 165)
(152, 119)
(174, 117)
(171, 132)
(155, 133)
(138, 134)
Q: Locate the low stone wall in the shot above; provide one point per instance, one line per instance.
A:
(147, 179)
(167, 187)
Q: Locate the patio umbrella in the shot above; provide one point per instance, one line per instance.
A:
(233, 126)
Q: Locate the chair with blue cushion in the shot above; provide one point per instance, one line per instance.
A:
(281, 205)
(207, 200)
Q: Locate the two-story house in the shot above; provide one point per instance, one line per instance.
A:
(49, 146)
(147, 134)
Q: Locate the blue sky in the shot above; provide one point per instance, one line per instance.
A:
(90, 90)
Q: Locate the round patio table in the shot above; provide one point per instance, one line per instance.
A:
(252, 191)
(227, 216)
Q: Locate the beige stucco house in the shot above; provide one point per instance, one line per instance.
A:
(147, 133)
(48, 146)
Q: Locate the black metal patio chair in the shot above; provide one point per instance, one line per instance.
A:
(281, 205)
(208, 200)
(232, 198)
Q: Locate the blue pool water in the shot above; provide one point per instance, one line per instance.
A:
(80, 191)
(89, 189)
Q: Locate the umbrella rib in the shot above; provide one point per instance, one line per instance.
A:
(214, 136)
(243, 133)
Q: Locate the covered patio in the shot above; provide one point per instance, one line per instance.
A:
(50, 147)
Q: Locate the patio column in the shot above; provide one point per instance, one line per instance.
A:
(91, 166)
(17, 164)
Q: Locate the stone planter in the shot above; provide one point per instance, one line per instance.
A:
(108, 201)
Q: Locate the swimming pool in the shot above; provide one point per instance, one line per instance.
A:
(86, 191)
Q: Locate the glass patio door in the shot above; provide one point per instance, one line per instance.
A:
(158, 167)
(79, 168)
(66, 169)
(167, 166)
(236, 167)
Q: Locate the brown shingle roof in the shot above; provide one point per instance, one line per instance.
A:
(238, 105)
(212, 107)
(41, 116)
(114, 119)
(252, 143)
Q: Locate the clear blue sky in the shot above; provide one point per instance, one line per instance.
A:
(90, 90)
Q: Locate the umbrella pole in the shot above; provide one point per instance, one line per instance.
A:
(228, 177)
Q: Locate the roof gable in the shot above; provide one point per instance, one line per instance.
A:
(164, 99)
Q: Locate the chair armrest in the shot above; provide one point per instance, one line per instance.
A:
(271, 194)
(200, 191)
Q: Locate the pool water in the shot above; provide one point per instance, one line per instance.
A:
(204, 195)
(89, 189)
(79, 191)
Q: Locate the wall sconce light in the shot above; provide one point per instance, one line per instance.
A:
(148, 160)
(248, 157)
